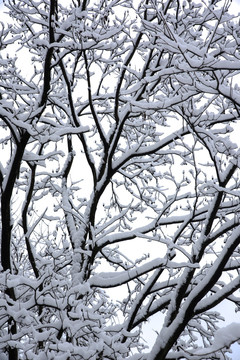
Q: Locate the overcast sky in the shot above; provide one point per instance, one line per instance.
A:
(231, 315)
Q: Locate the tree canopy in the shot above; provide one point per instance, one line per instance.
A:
(119, 173)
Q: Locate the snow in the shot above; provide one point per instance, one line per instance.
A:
(156, 108)
(223, 337)
(113, 279)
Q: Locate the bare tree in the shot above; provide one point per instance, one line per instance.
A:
(119, 178)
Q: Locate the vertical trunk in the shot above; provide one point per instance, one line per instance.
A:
(8, 185)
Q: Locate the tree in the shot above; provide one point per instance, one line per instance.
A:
(119, 178)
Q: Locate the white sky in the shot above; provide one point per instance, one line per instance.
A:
(224, 309)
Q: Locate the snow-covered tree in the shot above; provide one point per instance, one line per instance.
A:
(119, 178)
